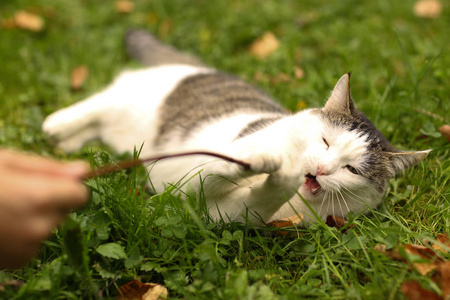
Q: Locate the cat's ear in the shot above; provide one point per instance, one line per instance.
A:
(404, 160)
(341, 99)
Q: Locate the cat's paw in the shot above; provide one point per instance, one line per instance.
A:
(289, 174)
(264, 163)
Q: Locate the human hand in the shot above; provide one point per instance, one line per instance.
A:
(36, 194)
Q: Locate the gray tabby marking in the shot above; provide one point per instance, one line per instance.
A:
(202, 98)
(257, 125)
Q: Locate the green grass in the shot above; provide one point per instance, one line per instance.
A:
(399, 62)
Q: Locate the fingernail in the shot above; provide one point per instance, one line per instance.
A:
(78, 169)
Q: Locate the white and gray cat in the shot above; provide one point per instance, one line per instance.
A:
(332, 157)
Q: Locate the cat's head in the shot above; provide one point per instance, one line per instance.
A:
(350, 164)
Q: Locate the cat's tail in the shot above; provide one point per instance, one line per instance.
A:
(147, 49)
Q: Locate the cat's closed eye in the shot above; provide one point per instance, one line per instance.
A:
(352, 169)
(326, 143)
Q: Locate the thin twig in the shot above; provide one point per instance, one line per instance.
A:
(430, 114)
(136, 162)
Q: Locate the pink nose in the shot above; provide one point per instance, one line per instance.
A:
(322, 170)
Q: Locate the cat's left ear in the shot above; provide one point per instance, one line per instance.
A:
(341, 99)
(404, 160)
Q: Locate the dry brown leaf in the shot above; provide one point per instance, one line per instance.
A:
(9, 282)
(296, 219)
(425, 253)
(333, 221)
(445, 131)
(281, 224)
(392, 253)
(142, 291)
(299, 73)
(264, 46)
(420, 250)
(280, 78)
(28, 21)
(443, 239)
(78, 77)
(380, 248)
(430, 9)
(124, 6)
(413, 291)
(425, 268)
(156, 292)
(444, 274)
(286, 222)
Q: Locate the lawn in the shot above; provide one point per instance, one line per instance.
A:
(400, 68)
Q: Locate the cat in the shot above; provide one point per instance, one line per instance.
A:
(330, 159)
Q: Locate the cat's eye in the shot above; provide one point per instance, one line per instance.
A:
(326, 143)
(352, 169)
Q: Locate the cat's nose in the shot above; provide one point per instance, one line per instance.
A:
(322, 170)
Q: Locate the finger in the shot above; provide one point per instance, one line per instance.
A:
(20, 162)
(58, 193)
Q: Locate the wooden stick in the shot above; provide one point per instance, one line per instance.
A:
(136, 162)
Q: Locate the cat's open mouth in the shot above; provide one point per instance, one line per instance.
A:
(311, 184)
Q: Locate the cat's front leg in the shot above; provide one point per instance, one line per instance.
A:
(261, 190)
(283, 171)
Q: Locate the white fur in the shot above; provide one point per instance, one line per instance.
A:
(124, 116)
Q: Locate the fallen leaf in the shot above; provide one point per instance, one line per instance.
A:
(124, 6)
(280, 78)
(280, 224)
(78, 77)
(392, 253)
(157, 291)
(380, 248)
(444, 274)
(422, 251)
(430, 9)
(333, 221)
(424, 268)
(301, 105)
(259, 76)
(445, 131)
(28, 21)
(296, 219)
(299, 73)
(142, 291)
(286, 222)
(10, 282)
(426, 253)
(443, 239)
(413, 291)
(264, 46)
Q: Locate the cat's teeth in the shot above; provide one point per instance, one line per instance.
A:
(314, 190)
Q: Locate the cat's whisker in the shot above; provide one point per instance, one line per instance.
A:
(350, 192)
(344, 200)
(329, 200)
(346, 204)
(323, 201)
(332, 201)
(339, 197)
